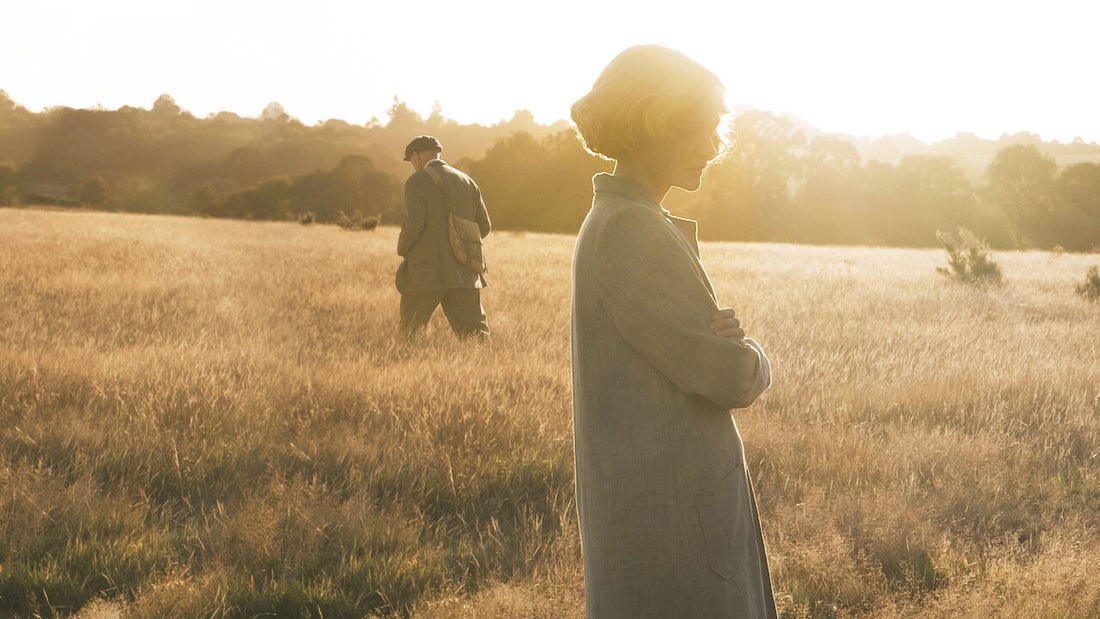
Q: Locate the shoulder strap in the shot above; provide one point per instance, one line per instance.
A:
(438, 180)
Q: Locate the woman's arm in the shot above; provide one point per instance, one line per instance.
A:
(657, 300)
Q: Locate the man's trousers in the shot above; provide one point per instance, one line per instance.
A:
(462, 306)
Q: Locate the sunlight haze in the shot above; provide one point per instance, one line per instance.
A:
(856, 67)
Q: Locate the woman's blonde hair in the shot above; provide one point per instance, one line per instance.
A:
(645, 92)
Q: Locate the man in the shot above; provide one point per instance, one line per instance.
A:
(430, 275)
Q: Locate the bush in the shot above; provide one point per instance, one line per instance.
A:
(358, 221)
(1090, 290)
(968, 258)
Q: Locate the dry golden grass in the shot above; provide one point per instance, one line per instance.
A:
(205, 418)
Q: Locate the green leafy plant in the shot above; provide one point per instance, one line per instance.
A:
(968, 258)
(1090, 289)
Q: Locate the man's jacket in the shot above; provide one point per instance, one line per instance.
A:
(429, 264)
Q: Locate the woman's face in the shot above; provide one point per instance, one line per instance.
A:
(679, 160)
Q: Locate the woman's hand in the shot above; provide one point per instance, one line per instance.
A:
(724, 323)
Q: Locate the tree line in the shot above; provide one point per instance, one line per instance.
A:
(781, 182)
(786, 185)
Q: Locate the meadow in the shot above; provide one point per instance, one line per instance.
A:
(212, 418)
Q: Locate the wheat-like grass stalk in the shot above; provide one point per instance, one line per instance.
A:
(206, 418)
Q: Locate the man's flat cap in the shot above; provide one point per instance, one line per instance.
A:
(422, 143)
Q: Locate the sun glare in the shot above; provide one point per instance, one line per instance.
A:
(855, 67)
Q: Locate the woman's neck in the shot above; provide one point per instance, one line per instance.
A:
(643, 176)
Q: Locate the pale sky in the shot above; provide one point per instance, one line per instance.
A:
(861, 67)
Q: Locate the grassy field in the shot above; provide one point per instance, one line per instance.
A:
(203, 418)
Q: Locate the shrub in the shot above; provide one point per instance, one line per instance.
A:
(307, 218)
(1090, 290)
(358, 221)
(968, 258)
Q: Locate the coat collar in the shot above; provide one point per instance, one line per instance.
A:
(626, 187)
(630, 189)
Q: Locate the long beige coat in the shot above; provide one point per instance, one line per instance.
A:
(668, 520)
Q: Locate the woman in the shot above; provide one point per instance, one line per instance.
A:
(668, 520)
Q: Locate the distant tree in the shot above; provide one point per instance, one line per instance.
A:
(823, 205)
(367, 189)
(166, 106)
(929, 193)
(1020, 181)
(533, 184)
(769, 151)
(92, 192)
(9, 185)
(269, 200)
(831, 155)
(244, 165)
(6, 104)
(404, 120)
(1079, 187)
(70, 141)
(274, 112)
(877, 200)
(313, 193)
(19, 131)
(523, 121)
(203, 200)
(726, 205)
(354, 187)
(437, 122)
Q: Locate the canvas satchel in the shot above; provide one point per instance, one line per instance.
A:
(465, 235)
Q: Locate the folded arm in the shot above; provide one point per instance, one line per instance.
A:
(656, 299)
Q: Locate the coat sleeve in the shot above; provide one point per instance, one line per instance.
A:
(412, 226)
(655, 298)
(483, 223)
